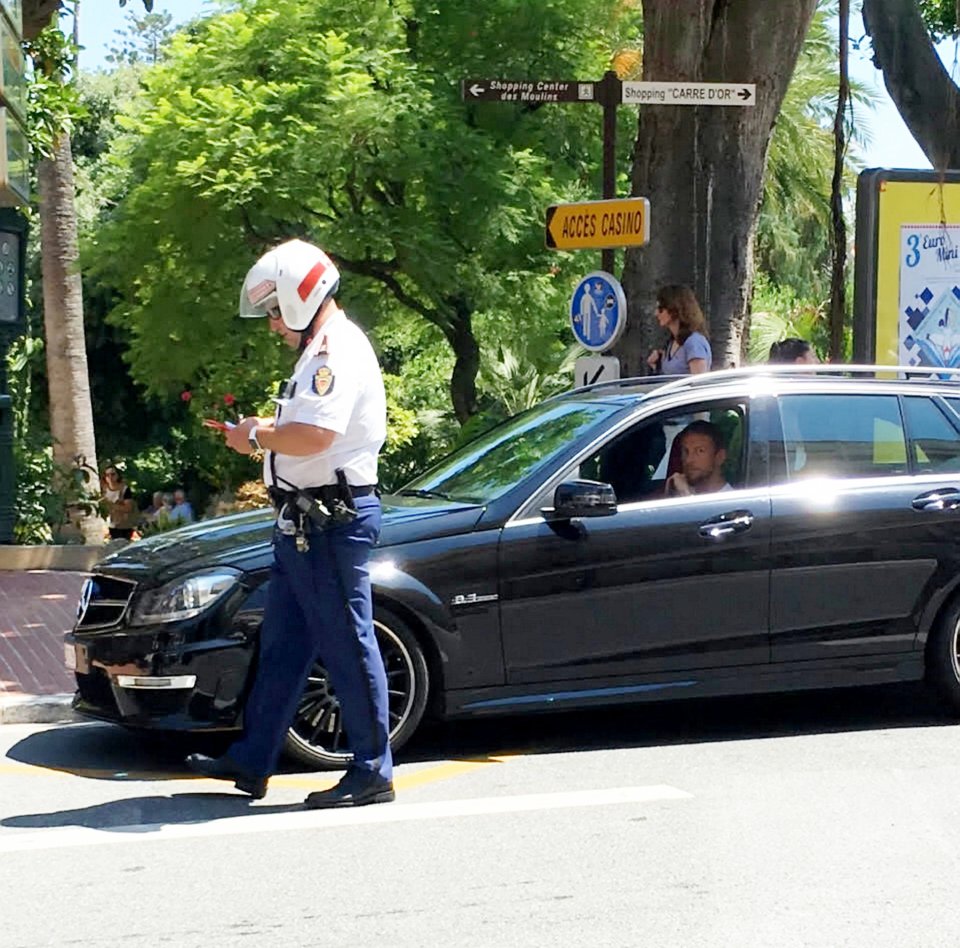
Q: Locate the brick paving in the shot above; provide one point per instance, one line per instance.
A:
(36, 608)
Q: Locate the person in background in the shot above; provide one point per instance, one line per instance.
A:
(688, 351)
(121, 512)
(156, 505)
(793, 350)
(182, 511)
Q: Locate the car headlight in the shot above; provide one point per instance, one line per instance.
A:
(184, 598)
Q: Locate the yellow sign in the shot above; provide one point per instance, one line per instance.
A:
(907, 268)
(598, 225)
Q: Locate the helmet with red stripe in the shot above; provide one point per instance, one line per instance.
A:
(292, 281)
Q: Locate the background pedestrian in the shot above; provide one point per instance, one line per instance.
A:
(121, 510)
(182, 511)
(687, 352)
(793, 350)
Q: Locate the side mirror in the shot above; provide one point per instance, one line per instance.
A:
(581, 499)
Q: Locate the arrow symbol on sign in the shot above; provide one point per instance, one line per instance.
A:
(475, 90)
(744, 94)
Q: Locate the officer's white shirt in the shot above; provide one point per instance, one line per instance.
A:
(337, 385)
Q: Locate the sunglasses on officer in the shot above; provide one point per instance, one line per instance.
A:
(273, 312)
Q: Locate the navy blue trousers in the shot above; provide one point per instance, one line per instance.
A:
(319, 608)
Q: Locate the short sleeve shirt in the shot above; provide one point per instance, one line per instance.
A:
(696, 347)
(336, 385)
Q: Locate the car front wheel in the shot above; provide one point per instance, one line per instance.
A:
(943, 658)
(317, 737)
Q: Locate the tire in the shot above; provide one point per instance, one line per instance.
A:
(316, 737)
(943, 658)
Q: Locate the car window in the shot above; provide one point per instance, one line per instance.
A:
(935, 442)
(491, 464)
(639, 462)
(843, 435)
(954, 404)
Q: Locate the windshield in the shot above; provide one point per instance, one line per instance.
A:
(491, 464)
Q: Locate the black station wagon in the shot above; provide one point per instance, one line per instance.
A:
(544, 565)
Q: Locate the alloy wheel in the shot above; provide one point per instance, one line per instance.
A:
(317, 729)
(955, 652)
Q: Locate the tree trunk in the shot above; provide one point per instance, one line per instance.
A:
(838, 272)
(702, 167)
(922, 90)
(71, 414)
(37, 15)
(463, 381)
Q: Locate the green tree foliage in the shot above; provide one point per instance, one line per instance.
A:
(53, 103)
(941, 17)
(341, 122)
(143, 39)
(780, 312)
(793, 237)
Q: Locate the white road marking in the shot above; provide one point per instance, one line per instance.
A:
(11, 842)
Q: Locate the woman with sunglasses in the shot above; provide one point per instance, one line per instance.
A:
(687, 351)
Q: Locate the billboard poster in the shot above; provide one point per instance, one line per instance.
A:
(929, 310)
(906, 306)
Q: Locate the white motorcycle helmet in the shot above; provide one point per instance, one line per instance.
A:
(294, 278)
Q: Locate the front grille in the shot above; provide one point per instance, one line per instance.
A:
(103, 602)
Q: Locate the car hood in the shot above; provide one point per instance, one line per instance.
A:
(243, 540)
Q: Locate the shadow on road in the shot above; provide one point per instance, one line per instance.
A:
(146, 814)
(755, 717)
(109, 752)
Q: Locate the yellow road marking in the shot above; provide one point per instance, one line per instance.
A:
(444, 771)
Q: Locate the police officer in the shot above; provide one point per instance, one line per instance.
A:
(320, 466)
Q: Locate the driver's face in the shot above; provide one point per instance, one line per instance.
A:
(699, 457)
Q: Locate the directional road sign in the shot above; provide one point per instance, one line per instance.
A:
(527, 90)
(589, 370)
(621, 222)
(598, 311)
(689, 93)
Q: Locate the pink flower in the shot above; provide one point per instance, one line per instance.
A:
(228, 399)
(186, 396)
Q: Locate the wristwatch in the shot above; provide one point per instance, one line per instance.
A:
(252, 436)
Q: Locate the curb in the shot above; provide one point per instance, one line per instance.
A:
(74, 558)
(37, 709)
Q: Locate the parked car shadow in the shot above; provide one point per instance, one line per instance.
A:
(695, 721)
(109, 752)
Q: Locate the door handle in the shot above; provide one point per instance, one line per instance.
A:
(737, 521)
(944, 498)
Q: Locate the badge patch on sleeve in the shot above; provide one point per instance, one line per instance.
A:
(323, 380)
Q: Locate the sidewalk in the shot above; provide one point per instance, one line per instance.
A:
(36, 608)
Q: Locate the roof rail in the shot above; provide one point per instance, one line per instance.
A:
(680, 382)
(818, 369)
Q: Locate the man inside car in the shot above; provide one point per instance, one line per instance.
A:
(702, 454)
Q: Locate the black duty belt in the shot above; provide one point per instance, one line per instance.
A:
(327, 493)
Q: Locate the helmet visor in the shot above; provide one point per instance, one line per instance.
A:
(259, 300)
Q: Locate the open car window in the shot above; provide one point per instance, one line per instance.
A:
(639, 461)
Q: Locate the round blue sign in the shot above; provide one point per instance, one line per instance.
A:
(598, 311)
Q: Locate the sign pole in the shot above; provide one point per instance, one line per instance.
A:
(610, 98)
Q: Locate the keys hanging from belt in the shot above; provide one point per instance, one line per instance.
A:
(300, 537)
